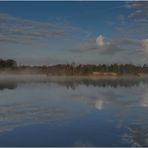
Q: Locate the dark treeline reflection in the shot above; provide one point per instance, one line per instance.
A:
(73, 83)
(8, 85)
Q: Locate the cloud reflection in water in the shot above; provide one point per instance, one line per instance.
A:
(58, 100)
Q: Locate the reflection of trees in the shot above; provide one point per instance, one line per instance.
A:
(129, 82)
(8, 85)
(74, 82)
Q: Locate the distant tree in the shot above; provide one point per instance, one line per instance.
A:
(7, 63)
(11, 63)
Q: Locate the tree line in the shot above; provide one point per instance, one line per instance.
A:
(9, 63)
(71, 69)
(76, 69)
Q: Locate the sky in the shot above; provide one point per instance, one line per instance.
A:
(86, 32)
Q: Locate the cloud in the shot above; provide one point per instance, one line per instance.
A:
(145, 45)
(19, 30)
(37, 42)
(141, 5)
(86, 46)
(135, 22)
(100, 41)
(90, 45)
(109, 46)
(111, 50)
(139, 9)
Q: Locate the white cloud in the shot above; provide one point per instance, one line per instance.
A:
(100, 41)
(145, 45)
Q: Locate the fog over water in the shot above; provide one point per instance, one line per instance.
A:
(73, 111)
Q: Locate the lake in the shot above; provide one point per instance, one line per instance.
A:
(75, 111)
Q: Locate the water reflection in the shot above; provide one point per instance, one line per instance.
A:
(116, 98)
(102, 82)
(107, 104)
(10, 82)
(137, 136)
(15, 115)
(8, 85)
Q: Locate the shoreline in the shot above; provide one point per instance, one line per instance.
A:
(70, 76)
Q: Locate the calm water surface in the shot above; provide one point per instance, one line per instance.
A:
(40, 111)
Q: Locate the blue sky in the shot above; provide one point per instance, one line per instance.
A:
(75, 31)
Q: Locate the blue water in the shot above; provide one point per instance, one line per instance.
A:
(74, 112)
